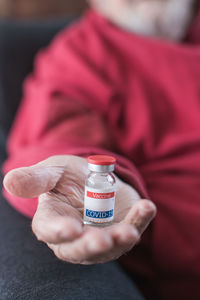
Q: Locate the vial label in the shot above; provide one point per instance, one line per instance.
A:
(99, 205)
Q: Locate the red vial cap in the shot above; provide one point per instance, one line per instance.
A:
(102, 160)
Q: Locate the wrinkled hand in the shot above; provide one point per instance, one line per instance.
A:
(59, 183)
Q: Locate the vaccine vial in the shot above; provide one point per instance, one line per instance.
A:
(100, 190)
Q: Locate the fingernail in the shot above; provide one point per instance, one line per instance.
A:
(67, 230)
(78, 228)
(146, 212)
(101, 244)
(133, 232)
(93, 245)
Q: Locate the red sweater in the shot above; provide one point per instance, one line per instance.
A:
(99, 89)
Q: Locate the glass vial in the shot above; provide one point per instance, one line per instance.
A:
(100, 190)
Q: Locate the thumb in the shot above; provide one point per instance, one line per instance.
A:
(30, 182)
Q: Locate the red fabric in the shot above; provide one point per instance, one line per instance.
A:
(99, 89)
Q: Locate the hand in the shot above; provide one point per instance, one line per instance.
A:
(59, 183)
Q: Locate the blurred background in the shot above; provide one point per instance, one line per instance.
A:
(37, 9)
(26, 26)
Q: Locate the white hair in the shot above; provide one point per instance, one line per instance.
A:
(165, 19)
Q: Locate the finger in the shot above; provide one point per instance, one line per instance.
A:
(55, 221)
(92, 243)
(57, 230)
(141, 214)
(124, 235)
(32, 181)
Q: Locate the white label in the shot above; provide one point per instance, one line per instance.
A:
(99, 205)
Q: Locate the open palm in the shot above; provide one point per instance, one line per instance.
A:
(59, 183)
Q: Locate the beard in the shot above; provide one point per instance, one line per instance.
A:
(167, 19)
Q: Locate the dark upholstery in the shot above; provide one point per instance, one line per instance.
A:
(19, 42)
